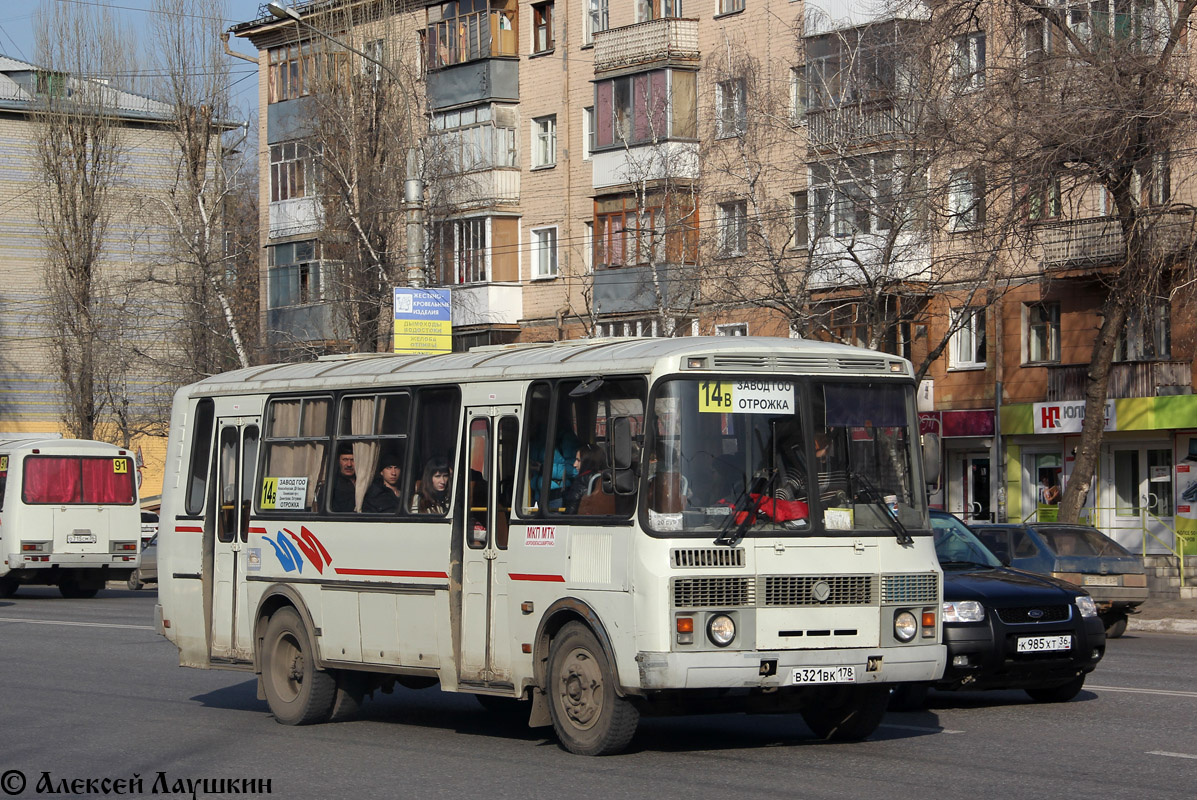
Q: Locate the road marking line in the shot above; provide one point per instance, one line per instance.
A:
(917, 728)
(1140, 691)
(1170, 755)
(78, 624)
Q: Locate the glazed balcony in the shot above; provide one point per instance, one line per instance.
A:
(1127, 379)
(660, 41)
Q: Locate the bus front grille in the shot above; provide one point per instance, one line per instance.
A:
(708, 557)
(722, 592)
(919, 588)
(806, 590)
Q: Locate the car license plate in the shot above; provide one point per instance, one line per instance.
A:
(1101, 580)
(1044, 644)
(81, 538)
(840, 674)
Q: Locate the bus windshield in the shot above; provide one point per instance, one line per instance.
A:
(757, 451)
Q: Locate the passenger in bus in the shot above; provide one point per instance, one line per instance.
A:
(562, 468)
(432, 489)
(344, 489)
(384, 494)
(588, 463)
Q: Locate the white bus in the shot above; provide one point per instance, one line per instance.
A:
(69, 515)
(599, 528)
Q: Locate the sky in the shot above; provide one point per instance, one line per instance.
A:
(17, 20)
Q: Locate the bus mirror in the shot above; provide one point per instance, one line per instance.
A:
(621, 439)
(931, 459)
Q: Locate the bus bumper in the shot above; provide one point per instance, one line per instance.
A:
(758, 669)
(74, 561)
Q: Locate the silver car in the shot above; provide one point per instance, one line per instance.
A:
(148, 571)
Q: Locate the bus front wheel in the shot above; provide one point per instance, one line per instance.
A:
(851, 714)
(298, 692)
(589, 716)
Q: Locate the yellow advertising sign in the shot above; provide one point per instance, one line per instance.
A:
(423, 321)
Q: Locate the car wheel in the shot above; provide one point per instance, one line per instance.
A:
(134, 581)
(1060, 693)
(853, 714)
(298, 692)
(589, 716)
(909, 697)
(8, 586)
(1115, 626)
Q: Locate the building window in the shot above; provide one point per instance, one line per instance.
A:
(294, 274)
(375, 50)
(1043, 200)
(461, 253)
(459, 32)
(587, 132)
(647, 10)
(968, 61)
(733, 228)
(966, 204)
(733, 329)
(1037, 39)
(967, 346)
(588, 246)
(291, 171)
(1147, 335)
(858, 197)
(471, 139)
(544, 253)
(730, 104)
(652, 326)
(645, 107)
(801, 225)
(542, 27)
(51, 84)
(595, 19)
(661, 229)
(798, 94)
(1042, 332)
(544, 141)
(730, 6)
(293, 70)
(1153, 182)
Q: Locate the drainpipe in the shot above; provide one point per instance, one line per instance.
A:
(224, 37)
(999, 452)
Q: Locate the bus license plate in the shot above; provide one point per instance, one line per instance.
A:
(1043, 644)
(841, 674)
(1101, 580)
(81, 538)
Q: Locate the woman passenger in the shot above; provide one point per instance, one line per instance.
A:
(432, 490)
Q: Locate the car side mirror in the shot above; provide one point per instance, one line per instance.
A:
(931, 459)
(621, 456)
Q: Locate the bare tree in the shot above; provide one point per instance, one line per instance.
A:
(209, 178)
(1086, 106)
(80, 157)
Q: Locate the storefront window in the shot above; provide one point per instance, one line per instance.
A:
(1048, 475)
(1159, 478)
(1126, 483)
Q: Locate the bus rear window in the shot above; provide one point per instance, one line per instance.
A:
(78, 480)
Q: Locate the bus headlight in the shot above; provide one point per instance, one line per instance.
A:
(963, 611)
(1086, 605)
(721, 630)
(906, 626)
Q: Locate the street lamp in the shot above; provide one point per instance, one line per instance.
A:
(413, 187)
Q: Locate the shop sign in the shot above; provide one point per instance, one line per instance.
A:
(1067, 416)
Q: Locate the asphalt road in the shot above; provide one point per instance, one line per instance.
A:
(89, 691)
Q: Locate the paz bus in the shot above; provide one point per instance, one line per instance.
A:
(69, 515)
(621, 527)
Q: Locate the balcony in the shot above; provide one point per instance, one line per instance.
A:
(294, 217)
(640, 164)
(1127, 379)
(633, 289)
(854, 124)
(487, 304)
(668, 40)
(482, 189)
(1098, 240)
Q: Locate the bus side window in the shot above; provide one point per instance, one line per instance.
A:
(477, 495)
(201, 448)
(249, 463)
(508, 441)
(434, 432)
(295, 446)
(536, 409)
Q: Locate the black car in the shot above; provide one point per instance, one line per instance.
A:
(1008, 629)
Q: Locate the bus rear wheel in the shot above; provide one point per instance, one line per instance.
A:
(77, 590)
(852, 714)
(298, 692)
(8, 586)
(589, 716)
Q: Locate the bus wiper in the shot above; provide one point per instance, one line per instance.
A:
(747, 504)
(870, 491)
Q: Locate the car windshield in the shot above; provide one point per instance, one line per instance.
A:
(1080, 542)
(755, 451)
(956, 544)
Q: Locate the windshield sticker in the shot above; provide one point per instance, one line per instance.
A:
(284, 494)
(667, 522)
(540, 536)
(746, 397)
(837, 519)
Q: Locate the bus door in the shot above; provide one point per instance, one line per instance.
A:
(237, 456)
(487, 475)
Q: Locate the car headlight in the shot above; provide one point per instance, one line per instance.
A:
(721, 630)
(906, 626)
(1086, 605)
(963, 611)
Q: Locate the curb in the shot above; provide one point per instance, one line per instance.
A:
(1188, 626)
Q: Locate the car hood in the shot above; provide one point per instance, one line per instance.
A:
(1099, 565)
(1005, 585)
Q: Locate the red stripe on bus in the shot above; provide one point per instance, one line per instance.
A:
(181, 529)
(519, 576)
(392, 573)
(258, 530)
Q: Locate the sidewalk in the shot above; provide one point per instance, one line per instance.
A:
(1165, 616)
